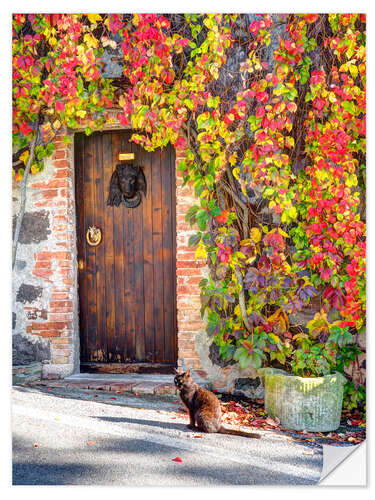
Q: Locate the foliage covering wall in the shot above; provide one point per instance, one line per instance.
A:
(271, 111)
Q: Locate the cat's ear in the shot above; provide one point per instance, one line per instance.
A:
(188, 373)
(176, 371)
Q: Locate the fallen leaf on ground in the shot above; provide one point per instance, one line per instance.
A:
(198, 436)
(36, 445)
(90, 442)
(175, 402)
(112, 398)
(177, 459)
(275, 422)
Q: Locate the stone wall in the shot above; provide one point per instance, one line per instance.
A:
(45, 295)
(45, 325)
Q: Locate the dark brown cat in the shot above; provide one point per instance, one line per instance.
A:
(203, 407)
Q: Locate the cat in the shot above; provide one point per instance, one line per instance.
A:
(203, 407)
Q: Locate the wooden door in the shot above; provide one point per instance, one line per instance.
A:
(127, 284)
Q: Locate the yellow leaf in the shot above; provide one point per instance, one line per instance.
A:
(353, 70)
(24, 157)
(255, 234)
(236, 172)
(279, 319)
(81, 113)
(200, 252)
(56, 124)
(135, 19)
(283, 233)
(289, 142)
(94, 18)
(343, 68)
(251, 259)
(272, 203)
(274, 337)
(332, 97)
(246, 242)
(300, 336)
(233, 159)
(292, 212)
(237, 310)
(90, 41)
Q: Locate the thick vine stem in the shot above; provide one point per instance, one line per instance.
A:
(23, 196)
(234, 196)
(241, 299)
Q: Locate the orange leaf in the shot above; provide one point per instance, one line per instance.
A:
(90, 442)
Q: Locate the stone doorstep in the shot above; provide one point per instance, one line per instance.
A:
(131, 383)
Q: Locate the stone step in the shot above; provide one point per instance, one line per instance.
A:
(131, 383)
(30, 372)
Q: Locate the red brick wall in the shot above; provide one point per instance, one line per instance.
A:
(55, 263)
(189, 273)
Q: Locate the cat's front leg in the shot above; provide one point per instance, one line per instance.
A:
(191, 424)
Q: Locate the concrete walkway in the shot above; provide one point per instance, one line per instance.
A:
(65, 435)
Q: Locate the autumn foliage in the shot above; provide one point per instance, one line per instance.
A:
(271, 112)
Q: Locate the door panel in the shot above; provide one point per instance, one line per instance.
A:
(127, 284)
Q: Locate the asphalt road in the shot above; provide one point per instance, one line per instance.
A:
(73, 437)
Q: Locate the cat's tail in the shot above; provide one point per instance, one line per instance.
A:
(233, 432)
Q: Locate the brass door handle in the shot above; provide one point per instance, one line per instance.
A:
(93, 236)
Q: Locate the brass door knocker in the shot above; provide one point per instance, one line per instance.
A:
(93, 236)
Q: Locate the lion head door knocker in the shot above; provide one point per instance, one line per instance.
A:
(93, 236)
(127, 183)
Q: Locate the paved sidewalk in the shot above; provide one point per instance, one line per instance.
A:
(76, 436)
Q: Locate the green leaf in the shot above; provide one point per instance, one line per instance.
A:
(194, 239)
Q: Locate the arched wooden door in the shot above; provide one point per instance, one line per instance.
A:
(127, 284)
